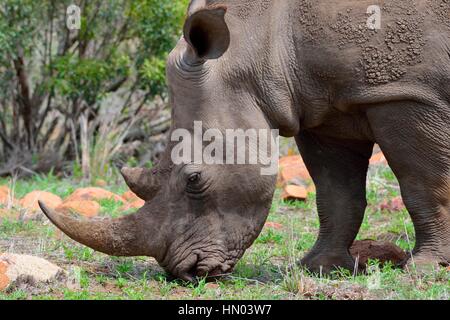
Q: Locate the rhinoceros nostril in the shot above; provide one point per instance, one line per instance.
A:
(201, 271)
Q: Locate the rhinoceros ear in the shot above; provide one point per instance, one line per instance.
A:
(207, 32)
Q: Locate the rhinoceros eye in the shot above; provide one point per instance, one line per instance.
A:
(195, 185)
(194, 178)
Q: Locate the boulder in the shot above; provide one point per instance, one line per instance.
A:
(290, 160)
(293, 167)
(6, 198)
(311, 188)
(4, 280)
(85, 208)
(380, 250)
(294, 193)
(378, 159)
(30, 201)
(133, 205)
(130, 196)
(133, 201)
(23, 270)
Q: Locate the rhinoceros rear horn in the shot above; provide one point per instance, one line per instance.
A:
(207, 32)
(142, 182)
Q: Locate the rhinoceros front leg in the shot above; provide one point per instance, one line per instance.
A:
(416, 141)
(339, 170)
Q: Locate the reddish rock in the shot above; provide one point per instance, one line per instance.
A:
(133, 201)
(378, 159)
(137, 204)
(294, 193)
(395, 204)
(311, 188)
(379, 250)
(84, 208)
(93, 194)
(6, 199)
(130, 196)
(290, 173)
(4, 190)
(4, 280)
(293, 167)
(273, 225)
(30, 201)
(290, 160)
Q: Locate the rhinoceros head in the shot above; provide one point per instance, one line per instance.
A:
(199, 218)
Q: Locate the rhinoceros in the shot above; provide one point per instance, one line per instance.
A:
(339, 76)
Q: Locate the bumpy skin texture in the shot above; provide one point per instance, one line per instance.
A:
(313, 70)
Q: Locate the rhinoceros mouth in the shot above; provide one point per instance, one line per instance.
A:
(213, 269)
(192, 268)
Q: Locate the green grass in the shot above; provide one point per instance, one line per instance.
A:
(267, 270)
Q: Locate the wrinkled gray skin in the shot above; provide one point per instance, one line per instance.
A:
(313, 70)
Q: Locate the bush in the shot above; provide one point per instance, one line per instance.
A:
(51, 77)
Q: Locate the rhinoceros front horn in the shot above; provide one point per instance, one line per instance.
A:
(125, 236)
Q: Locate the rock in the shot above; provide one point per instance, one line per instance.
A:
(137, 204)
(378, 159)
(395, 204)
(293, 167)
(23, 270)
(273, 225)
(85, 208)
(292, 172)
(93, 194)
(30, 201)
(133, 201)
(130, 196)
(379, 250)
(294, 193)
(6, 198)
(4, 280)
(290, 160)
(311, 188)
